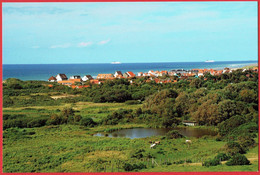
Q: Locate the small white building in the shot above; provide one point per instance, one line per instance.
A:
(75, 77)
(87, 77)
(52, 79)
(61, 77)
(189, 123)
(118, 74)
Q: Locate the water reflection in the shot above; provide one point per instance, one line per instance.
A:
(148, 132)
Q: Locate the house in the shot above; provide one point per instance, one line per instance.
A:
(201, 72)
(52, 79)
(140, 74)
(105, 76)
(69, 82)
(163, 72)
(118, 74)
(75, 77)
(95, 81)
(61, 77)
(226, 70)
(87, 77)
(255, 69)
(129, 74)
(189, 123)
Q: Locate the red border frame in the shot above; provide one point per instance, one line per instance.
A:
(132, 173)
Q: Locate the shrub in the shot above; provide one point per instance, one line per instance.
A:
(131, 167)
(246, 141)
(211, 162)
(233, 148)
(38, 122)
(229, 124)
(132, 102)
(54, 120)
(222, 157)
(174, 134)
(238, 159)
(87, 121)
(138, 154)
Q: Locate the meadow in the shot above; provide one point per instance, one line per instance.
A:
(73, 148)
(51, 129)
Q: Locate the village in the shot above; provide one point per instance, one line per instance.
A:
(157, 76)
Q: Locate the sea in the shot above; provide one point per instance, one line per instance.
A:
(45, 71)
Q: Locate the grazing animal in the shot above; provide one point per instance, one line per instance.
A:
(188, 141)
(157, 142)
(152, 145)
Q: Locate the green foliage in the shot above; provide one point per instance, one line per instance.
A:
(226, 126)
(233, 148)
(38, 122)
(131, 167)
(246, 142)
(222, 157)
(211, 162)
(87, 121)
(174, 134)
(238, 159)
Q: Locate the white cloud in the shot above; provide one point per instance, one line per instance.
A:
(66, 45)
(35, 47)
(104, 42)
(85, 44)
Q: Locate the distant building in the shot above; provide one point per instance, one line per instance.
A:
(69, 82)
(105, 76)
(87, 77)
(189, 123)
(129, 74)
(140, 74)
(75, 77)
(61, 77)
(52, 79)
(118, 74)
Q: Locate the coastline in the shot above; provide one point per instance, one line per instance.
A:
(43, 72)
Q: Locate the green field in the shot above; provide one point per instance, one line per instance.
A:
(72, 148)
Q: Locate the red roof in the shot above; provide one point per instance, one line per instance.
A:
(131, 74)
(52, 78)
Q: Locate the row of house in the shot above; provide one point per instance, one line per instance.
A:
(117, 74)
(76, 80)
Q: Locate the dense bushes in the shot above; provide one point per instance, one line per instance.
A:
(233, 148)
(174, 134)
(238, 159)
(135, 166)
(222, 157)
(226, 126)
(211, 162)
(87, 121)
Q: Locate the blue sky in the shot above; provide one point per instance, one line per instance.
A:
(42, 33)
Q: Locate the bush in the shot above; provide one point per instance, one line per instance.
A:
(246, 142)
(36, 123)
(131, 167)
(138, 154)
(222, 157)
(238, 159)
(233, 148)
(132, 102)
(211, 162)
(226, 126)
(87, 121)
(174, 134)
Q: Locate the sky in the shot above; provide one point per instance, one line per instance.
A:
(127, 32)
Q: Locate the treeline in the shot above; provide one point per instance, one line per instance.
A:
(209, 100)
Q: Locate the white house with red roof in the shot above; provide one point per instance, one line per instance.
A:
(61, 77)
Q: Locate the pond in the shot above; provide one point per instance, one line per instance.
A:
(148, 132)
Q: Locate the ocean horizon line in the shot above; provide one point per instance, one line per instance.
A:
(129, 62)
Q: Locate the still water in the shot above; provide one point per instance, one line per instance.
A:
(148, 132)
